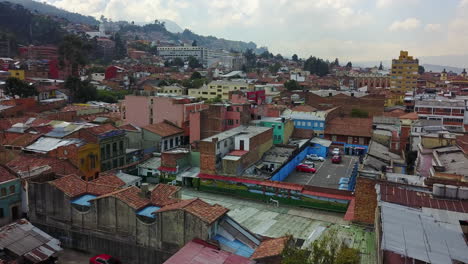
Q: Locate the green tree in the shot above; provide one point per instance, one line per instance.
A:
(380, 67)
(295, 58)
(316, 66)
(194, 63)
(349, 65)
(251, 59)
(120, 49)
(16, 87)
(80, 91)
(74, 51)
(421, 69)
(336, 62)
(195, 75)
(292, 85)
(274, 68)
(177, 62)
(194, 43)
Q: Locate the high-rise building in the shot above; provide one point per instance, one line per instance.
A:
(404, 74)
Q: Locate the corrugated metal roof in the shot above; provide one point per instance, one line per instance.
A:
(46, 144)
(416, 234)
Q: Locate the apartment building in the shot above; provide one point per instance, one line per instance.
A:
(184, 52)
(233, 151)
(219, 89)
(404, 74)
(452, 113)
(143, 110)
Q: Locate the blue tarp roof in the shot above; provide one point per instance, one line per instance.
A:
(84, 200)
(148, 211)
(238, 247)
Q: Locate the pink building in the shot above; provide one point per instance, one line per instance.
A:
(143, 110)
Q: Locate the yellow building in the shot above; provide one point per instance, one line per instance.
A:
(17, 74)
(443, 75)
(173, 89)
(219, 89)
(404, 73)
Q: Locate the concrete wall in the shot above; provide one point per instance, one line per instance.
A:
(110, 226)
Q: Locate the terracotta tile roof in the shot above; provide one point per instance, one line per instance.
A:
(130, 196)
(164, 129)
(110, 179)
(27, 164)
(270, 248)
(304, 108)
(73, 186)
(394, 113)
(23, 140)
(6, 175)
(348, 126)
(203, 210)
(163, 194)
(98, 130)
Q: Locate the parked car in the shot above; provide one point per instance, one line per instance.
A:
(314, 157)
(104, 259)
(344, 180)
(336, 151)
(308, 162)
(336, 159)
(305, 168)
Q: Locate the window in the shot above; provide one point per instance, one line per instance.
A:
(114, 148)
(350, 140)
(121, 162)
(107, 150)
(309, 123)
(361, 141)
(3, 192)
(225, 143)
(334, 138)
(279, 138)
(321, 124)
(171, 143)
(12, 189)
(230, 122)
(82, 162)
(177, 141)
(237, 121)
(121, 145)
(102, 152)
(279, 127)
(114, 163)
(1, 213)
(303, 123)
(92, 160)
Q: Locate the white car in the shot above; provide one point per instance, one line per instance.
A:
(336, 151)
(314, 157)
(308, 162)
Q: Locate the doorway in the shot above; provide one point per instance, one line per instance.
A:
(14, 213)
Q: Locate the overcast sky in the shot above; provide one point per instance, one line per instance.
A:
(356, 30)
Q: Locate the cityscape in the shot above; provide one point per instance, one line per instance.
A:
(144, 143)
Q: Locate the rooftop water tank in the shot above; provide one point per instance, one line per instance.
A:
(451, 191)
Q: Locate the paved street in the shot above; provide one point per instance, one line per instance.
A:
(70, 256)
(328, 174)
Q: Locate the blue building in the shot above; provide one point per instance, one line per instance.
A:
(306, 117)
(10, 197)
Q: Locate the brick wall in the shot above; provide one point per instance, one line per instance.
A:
(365, 201)
(374, 104)
(207, 157)
(170, 159)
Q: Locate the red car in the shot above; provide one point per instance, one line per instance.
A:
(104, 259)
(336, 159)
(305, 168)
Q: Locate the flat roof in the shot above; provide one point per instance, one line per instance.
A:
(46, 144)
(152, 163)
(246, 131)
(422, 235)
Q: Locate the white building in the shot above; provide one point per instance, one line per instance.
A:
(184, 52)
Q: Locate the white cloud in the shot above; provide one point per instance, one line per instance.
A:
(406, 25)
(433, 28)
(390, 3)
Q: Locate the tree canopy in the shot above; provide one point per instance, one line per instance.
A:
(316, 66)
(74, 51)
(80, 91)
(349, 64)
(421, 69)
(295, 57)
(292, 85)
(194, 63)
(16, 87)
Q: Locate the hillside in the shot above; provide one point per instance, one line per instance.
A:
(46, 9)
(23, 27)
